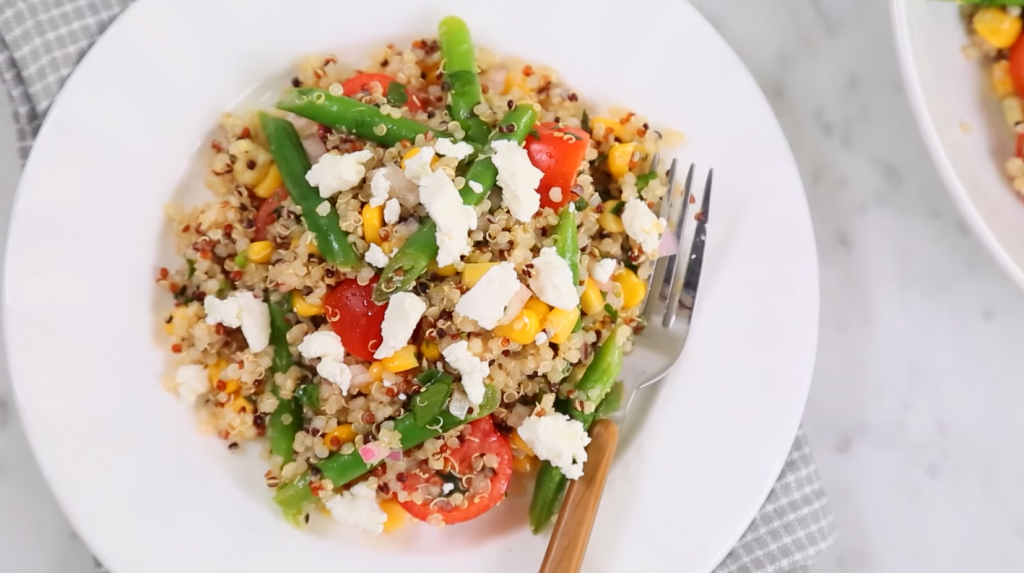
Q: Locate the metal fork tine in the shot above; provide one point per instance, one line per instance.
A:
(694, 258)
(655, 282)
(693, 270)
(672, 266)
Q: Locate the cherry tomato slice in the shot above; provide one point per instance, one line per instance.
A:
(355, 317)
(361, 83)
(265, 216)
(558, 151)
(482, 440)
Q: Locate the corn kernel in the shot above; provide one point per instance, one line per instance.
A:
(271, 182)
(377, 371)
(402, 360)
(303, 308)
(339, 436)
(997, 27)
(213, 372)
(524, 464)
(169, 327)
(413, 152)
(431, 351)
(519, 444)
(514, 80)
(633, 289)
(387, 247)
(373, 221)
(539, 307)
(396, 515)
(591, 300)
(523, 328)
(610, 125)
(260, 251)
(609, 221)
(1002, 82)
(473, 272)
(239, 405)
(619, 158)
(560, 324)
(446, 271)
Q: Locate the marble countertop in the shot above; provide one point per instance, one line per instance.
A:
(915, 412)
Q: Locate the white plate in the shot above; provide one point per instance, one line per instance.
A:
(150, 494)
(962, 124)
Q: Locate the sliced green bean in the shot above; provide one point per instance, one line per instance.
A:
(459, 59)
(286, 420)
(516, 125)
(352, 116)
(408, 263)
(566, 242)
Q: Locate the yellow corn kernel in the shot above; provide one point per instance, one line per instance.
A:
(413, 152)
(169, 327)
(310, 246)
(239, 405)
(523, 328)
(633, 289)
(447, 271)
(997, 27)
(402, 360)
(431, 351)
(560, 324)
(612, 125)
(610, 221)
(373, 221)
(538, 307)
(213, 372)
(396, 514)
(514, 80)
(473, 272)
(177, 316)
(270, 183)
(339, 436)
(519, 444)
(387, 247)
(1002, 83)
(260, 251)
(303, 308)
(619, 158)
(524, 464)
(591, 301)
(377, 371)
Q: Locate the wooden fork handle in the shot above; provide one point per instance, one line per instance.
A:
(568, 544)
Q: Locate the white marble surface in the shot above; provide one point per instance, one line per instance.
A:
(915, 412)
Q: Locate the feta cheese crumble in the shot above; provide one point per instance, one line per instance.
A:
(518, 179)
(326, 345)
(358, 507)
(400, 320)
(392, 210)
(417, 168)
(472, 369)
(379, 188)
(454, 219)
(602, 270)
(642, 225)
(335, 173)
(192, 381)
(552, 282)
(448, 148)
(376, 256)
(241, 309)
(558, 439)
(486, 301)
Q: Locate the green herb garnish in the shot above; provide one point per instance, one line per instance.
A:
(397, 95)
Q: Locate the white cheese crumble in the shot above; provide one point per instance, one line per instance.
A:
(551, 280)
(335, 173)
(459, 404)
(642, 225)
(454, 219)
(379, 188)
(392, 210)
(448, 148)
(476, 187)
(558, 439)
(323, 208)
(358, 507)
(376, 256)
(447, 488)
(417, 168)
(400, 319)
(326, 345)
(472, 369)
(602, 270)
(241, 309)
(192, 381)
(541, 338)
(518, 179)
(486, 301)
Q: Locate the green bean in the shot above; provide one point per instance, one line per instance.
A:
(566, 243)
(516, 125)
(460, 70)
(352, 116)
(595, 384)
(408, 263)
(286, 420)
(293, 164)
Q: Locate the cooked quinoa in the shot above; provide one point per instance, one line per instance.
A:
(238, 256)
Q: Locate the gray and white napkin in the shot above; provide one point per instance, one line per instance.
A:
(41, 41)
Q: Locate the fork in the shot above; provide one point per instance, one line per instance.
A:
(672, 288)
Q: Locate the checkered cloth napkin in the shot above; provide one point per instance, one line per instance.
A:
(41, 41)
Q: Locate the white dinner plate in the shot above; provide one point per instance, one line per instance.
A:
(962, 124)
(149, 494)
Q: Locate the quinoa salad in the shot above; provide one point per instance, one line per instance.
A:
(415, 282)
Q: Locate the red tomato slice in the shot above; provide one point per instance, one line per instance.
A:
(558, 151)
(361, 84)
(355, 317)
(1017, 65)
(1020, 145)
(266, 217)
(487, 486)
